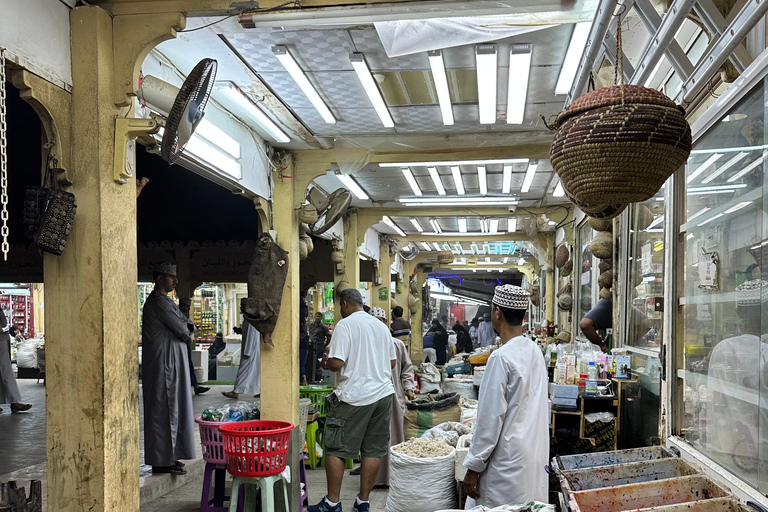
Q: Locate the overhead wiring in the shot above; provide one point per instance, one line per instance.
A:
(295, 4)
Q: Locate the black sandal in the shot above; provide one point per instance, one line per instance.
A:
(179, 464)
(173, 470)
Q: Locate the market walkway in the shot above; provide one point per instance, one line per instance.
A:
(23, 450)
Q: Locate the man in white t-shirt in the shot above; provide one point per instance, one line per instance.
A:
(362, 355)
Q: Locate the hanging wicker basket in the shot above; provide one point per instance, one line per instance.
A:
(567, 268)
(602, 245)
(565, 290)
(307, 214)
(601, 224)
(308, 241)
(606, 294)
(618, 145)
(445, 257)
(337, 257)
(562, 255)
(565, 302)
(605, 280)
(303, 251)
(605, 264)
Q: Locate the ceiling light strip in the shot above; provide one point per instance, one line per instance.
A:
(458, 183)
(730, 163)
(386, 220)
(298, 75)
(462, 224)
(559, 191)
(436, 180)
(257, 114)
(455, 162)
(529, 175)
(411, 181)
(486, 62)
(482, 180)
(437, 65)
(517, 90)
(576, 48)
(416, 224)
(511, 224)
(371, 89)
(506, 181)
(703, 167)
(353, 186)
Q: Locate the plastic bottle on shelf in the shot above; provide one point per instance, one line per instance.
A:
(592, 371)
(582, 384)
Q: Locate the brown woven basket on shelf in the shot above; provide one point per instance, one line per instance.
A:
(618, 145)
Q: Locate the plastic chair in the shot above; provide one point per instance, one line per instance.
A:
(311, 444)
(317, 395)
(251, 485)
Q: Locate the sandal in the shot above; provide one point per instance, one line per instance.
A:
(179, 464)
(173, 470)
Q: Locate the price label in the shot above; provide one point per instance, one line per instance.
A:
(708, 262)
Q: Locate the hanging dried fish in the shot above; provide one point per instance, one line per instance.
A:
(266, 280)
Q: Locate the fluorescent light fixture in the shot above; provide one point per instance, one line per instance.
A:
(352, 185)
(730, 163)
(386, 220)
(411, 181)
(506, 180)
(435, 226)
(559, 192)
(738, 207)
(443, 296)
(416, 224)
(426, 246)
(458, 249)
(218, 137)
(464, 201)
(690, 235)
(714, 217)
(437, 66)
(699, 213)
(511, 224)
(576, 48)
(517, 90)
(486, 248)
(521, 261)
(746, 169)
(658, 220)
(446, 246)
(436, 180)
(456, 172)
(455, 162)
(483, 225)
(462, 224)
(292, 67)
(529, 174)
(486, 62)
(436, 246)
(446, 202)
(482, 180)
(718, 189)
(256, 114)
(213, 156)
(703, 167)
(504, 261)
(655, 70)
(494, 225)
(371, 89)
(487, 260)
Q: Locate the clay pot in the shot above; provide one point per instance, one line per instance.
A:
(567, 268)
(602, 245)
(565, 290)
(562, 255)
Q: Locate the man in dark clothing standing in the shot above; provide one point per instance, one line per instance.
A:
(438, 332)
(319, 337)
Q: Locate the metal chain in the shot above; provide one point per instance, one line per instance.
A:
(3, 160)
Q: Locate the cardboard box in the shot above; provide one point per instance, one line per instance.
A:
(565, 402)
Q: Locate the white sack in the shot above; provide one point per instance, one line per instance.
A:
(423, 485)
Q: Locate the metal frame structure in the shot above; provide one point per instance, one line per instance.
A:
(725, 43)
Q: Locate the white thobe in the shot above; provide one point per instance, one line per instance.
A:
(9, 390)
(485, 334)
(510, 447)
(248, 379)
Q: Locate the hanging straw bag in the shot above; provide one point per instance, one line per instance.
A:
(57, 213)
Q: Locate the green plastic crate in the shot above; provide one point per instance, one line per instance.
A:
(317, 395)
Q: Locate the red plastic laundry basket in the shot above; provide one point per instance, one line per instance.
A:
(256, 448)
(210, 438)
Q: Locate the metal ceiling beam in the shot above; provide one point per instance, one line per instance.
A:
(612, 30)
(722, 49)
(716, 24)
(609, 47)
(479, 237)
(652, 21)
(663, 37)
(594, 44)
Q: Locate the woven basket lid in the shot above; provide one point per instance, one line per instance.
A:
(607, 96)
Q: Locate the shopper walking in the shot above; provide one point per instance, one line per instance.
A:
(169, 422)
(506, 459)
(363, 355)
(9, 390)
(485, 333)
(403, 381)
(248, 378)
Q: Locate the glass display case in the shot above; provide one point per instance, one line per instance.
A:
(721, 353)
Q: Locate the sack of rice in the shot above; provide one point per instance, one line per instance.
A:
(421, 475)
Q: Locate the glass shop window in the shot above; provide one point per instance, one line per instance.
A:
(583, 277)
(725, 295)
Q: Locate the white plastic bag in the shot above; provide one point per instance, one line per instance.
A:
(464, 387)
(423, 485)
(429, 372)
(26, 354)
(450, 431)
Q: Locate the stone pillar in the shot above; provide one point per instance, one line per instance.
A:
(417, 342)
(351, 251)
(91, 303)
(385, 276)
(280, 364)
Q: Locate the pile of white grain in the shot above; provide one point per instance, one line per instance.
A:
(423, 448)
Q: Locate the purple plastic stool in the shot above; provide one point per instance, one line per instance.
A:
(304, 502)
(217, 473)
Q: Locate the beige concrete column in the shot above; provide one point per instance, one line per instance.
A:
(379, 289)
(351, 251)
(549, 298)
(91, 303)
(401, 292)
(280, 364)
(417, 334)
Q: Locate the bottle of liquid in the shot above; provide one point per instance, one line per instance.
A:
(582, 384)
(592, 371)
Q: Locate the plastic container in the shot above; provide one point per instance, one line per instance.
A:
(591, 460)
(304, 405)
(592, 371)
(582, 384)
(317, 395)
(624, 474)
(211, 440)
(644, 495)
(256, 448)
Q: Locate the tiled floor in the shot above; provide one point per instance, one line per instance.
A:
(187, 498)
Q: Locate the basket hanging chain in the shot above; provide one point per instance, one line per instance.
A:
(618, 69)
(3, 160)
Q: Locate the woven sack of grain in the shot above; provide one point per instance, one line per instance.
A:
(421, 415)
